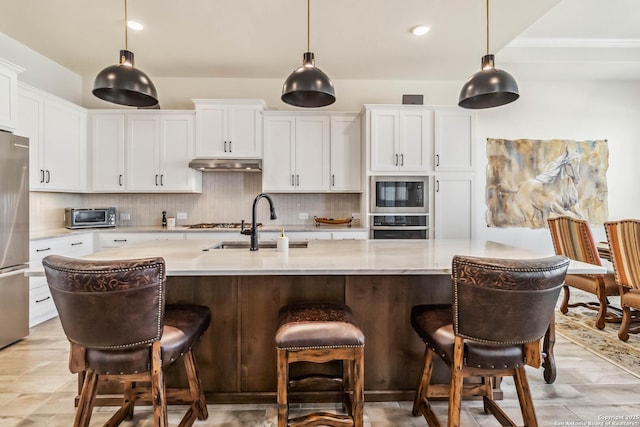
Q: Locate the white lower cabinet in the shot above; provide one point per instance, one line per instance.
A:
(41, 306)
(118, 240)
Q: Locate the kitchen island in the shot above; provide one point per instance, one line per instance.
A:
(380, 279)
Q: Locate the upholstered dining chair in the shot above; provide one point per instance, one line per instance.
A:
(572, 238)
(501, 309)
(624, 246)
(115, 318)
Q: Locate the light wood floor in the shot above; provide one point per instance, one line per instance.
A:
(36, 389)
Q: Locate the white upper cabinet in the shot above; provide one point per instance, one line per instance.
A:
(107, 152)
(143, 152)
(57, 132)
(346, 147)
(159, 147)
(401, 139)
(296, 153)
(454, 141)
(9, 95)
(228, 128)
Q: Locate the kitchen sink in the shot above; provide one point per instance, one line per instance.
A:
(267, 244)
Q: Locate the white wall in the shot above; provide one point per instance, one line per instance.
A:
(568, 110)
(41, 72)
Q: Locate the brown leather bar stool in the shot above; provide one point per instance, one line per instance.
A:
(320, 333)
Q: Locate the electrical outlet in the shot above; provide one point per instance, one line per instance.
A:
(303, 215)
(181, 215)
(125, 216)
(355, 215)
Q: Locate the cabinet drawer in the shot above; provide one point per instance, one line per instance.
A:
(117, 240)
(71, 246)
(41, 306)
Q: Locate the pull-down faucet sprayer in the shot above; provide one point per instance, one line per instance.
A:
(254, 228)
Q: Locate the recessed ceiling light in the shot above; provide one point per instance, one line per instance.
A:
(420, 30)
(134, 25)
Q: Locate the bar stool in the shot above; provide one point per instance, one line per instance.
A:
(320, 333)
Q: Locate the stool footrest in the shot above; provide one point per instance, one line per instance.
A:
(316, 382)
(321, 419)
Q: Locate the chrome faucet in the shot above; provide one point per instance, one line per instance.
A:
(254, 228)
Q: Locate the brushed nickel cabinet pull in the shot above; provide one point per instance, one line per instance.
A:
(437, 186)
(401, 159)
(162, 179)
(437, 160)
(77, 243)
(396, 160)
(297, 180)
(41, 176)
(48, 177)
(42, 300)
(156, 180)
(225, 146)
(230, 147)
(43, 250)
(120, 180)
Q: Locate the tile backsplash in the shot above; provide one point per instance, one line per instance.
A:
(226, 197)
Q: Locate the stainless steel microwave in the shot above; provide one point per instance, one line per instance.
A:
(87, 218)
(399, 194)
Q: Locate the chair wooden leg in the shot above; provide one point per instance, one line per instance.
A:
(199, 405)
(488, 392)
(357, 380)
(455, 390)
(623, 332)
(564, 306)
(524, 396)
(158, 393)
(423, 384)
(87, 397)
(283, 375)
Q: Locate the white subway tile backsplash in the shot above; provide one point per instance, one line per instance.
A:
(226, 197)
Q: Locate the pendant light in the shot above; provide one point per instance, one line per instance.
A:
(489, 87)
(123, 83)
(308, 86)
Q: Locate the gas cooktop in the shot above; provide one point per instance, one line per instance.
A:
(222, 225)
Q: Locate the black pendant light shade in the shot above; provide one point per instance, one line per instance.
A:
(308, 86)
(125, 85)
(489, 87)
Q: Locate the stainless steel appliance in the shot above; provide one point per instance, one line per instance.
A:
(87, 218)
(14, 238)
(399, 194)
(400, 227)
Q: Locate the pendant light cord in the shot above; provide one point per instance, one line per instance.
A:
(126, 24)
(487, 27)
(308, 24)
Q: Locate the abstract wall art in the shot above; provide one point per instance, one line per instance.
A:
(531, 180)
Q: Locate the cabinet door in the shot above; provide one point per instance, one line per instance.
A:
(211, 132)
(8, 97)
(107, 152)
(176, 141)
(245, 131)
(65, 145)
(454, 206)
(143, 153)
(312, 153)
(385, 135)
(345, 153)
(278, 172)
(415, 141)
(30, 124)
(454, 141)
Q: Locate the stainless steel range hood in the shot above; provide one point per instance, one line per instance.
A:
(227, 165)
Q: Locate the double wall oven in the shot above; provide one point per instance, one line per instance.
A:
(399, 207)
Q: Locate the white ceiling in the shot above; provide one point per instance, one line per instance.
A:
(351, 39)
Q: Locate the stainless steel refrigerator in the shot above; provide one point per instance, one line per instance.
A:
(14, 238)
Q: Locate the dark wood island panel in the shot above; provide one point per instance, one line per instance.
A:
(237, 357)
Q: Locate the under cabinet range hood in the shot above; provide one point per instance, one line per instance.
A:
(227, 165)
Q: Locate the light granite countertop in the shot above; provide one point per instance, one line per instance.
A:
(321, 257)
